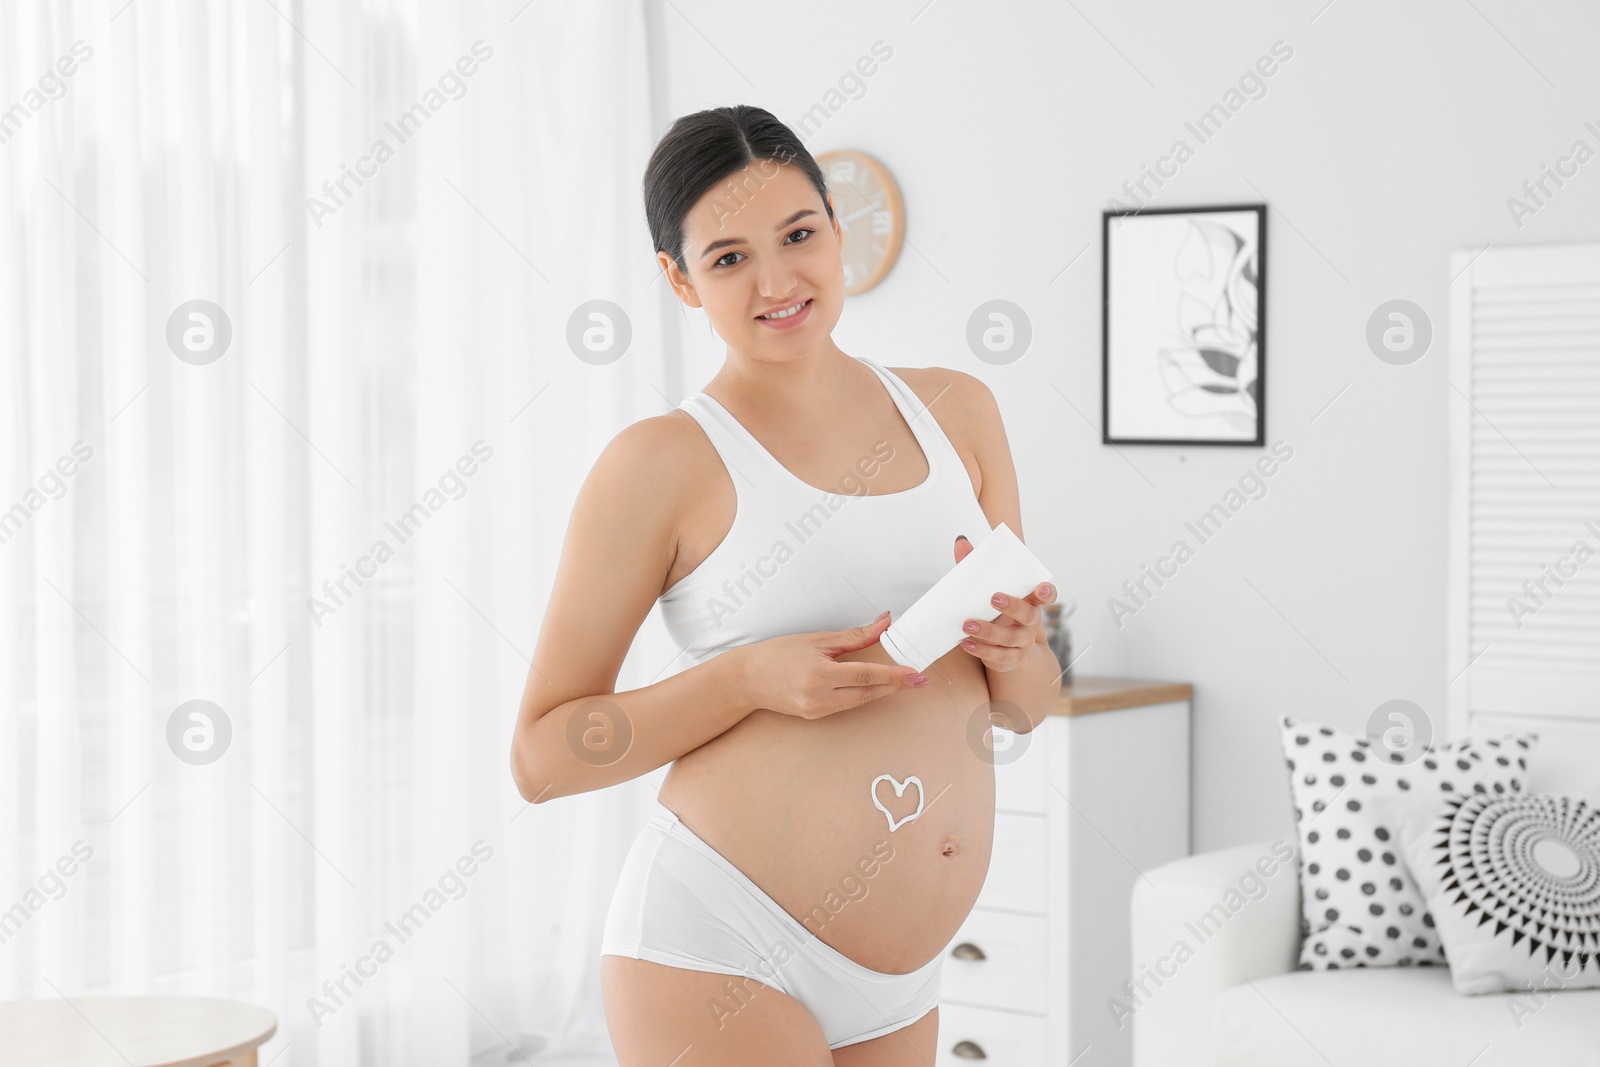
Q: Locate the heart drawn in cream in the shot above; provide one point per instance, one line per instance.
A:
(899, 790)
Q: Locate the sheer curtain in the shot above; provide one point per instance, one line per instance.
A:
(290, 429)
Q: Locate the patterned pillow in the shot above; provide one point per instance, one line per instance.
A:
(1530, 863)
(1360, 906)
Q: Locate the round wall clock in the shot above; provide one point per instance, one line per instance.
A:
(872, 216)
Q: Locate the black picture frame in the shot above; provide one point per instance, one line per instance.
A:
(1187, 386)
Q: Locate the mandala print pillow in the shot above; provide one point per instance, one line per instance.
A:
(1360, 906)
(1514, 884)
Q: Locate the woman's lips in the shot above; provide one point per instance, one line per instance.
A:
(791, 321)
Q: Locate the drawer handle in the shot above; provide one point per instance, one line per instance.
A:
(968, 951)
(969, 1050)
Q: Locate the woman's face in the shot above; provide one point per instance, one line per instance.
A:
(762, 241)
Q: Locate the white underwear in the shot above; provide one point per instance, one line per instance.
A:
(681, 903)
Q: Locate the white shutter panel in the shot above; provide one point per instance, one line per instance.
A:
(1524, 599)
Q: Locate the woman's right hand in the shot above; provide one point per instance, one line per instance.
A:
(798, 675)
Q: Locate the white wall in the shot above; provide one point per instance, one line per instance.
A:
(1393, 135)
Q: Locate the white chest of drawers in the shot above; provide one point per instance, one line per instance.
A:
(1096, 794)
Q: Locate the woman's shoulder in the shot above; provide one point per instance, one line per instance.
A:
(962, 402)
(656, 447)
(968, 415)
(663, 464)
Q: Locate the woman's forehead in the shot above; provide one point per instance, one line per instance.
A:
(750, 203)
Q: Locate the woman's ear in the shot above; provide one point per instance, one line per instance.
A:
(675, 278)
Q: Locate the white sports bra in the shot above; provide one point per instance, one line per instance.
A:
(798, 558)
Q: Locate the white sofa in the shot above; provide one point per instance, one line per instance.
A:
(1235, 998)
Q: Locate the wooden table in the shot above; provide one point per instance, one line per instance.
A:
(141, 1031)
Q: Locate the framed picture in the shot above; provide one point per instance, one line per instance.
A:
(1183, 328)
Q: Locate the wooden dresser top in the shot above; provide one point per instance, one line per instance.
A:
(1091, 694)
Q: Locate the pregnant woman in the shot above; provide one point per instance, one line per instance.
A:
(827, 820)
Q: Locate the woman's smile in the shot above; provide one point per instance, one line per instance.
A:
(787, 318)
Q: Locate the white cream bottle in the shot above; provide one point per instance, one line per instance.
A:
(932, 626)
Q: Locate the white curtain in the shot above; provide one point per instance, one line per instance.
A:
(340, 532)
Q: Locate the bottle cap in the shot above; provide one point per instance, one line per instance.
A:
(892, 647)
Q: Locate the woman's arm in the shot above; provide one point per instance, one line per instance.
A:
(594, 741)
(1034, 682)
(573, 732)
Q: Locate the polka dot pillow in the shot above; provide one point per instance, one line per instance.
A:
(1359, 904)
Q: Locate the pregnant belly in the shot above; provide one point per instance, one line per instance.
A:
(789, 802)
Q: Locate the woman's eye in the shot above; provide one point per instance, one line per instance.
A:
(719, 261)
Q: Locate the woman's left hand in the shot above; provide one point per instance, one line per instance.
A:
(1003, 643)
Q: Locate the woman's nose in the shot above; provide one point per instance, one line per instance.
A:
(775, 282)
